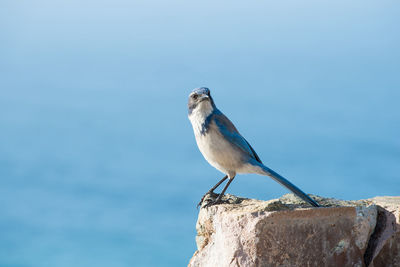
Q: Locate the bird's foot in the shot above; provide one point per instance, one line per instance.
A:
(215, 202)
(212, 195)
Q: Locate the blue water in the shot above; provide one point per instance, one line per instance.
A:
(98, 163)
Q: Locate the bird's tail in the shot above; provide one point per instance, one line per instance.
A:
(289, 186)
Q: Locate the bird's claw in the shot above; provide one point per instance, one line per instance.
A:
(201, 201)
(212, 203)
(212, 194)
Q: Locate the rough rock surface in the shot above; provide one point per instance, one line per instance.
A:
(385, 242)
(287, 232)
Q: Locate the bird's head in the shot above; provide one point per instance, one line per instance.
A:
(200, 100)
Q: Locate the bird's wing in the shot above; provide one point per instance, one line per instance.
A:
(232, 134)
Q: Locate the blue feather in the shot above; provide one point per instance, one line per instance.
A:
(229, 131)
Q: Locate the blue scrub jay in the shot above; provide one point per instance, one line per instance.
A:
(224, 148)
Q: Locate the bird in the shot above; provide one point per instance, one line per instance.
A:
(225, 148)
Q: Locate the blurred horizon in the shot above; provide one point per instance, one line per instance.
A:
(98, 161)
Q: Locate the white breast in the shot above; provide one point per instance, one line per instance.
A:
(214, 147)
(199, 116)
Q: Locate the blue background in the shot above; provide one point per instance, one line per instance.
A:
(98, 163)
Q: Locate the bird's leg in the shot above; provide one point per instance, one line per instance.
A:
(218, 200)
(212, 189)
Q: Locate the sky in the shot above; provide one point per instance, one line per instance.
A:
(98, 162)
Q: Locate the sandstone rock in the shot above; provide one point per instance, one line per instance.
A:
(286, 232)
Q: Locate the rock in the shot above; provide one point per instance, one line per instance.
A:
(385, 242)
(287, 232)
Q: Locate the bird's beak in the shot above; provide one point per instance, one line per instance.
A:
(204, 97)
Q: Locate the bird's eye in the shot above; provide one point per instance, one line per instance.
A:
(195, 97)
